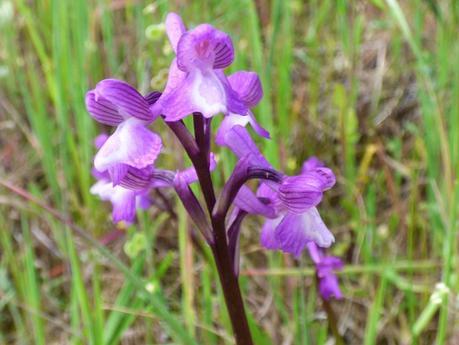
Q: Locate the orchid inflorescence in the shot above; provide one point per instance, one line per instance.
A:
(197, 86)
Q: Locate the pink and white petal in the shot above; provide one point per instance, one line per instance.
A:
(131, 144)
(125, 98)
(103, 189)
(137, 179)
(200, 92)
(100, 175)
(174, 29)
(327, 176)
(248, 87)
(299, 193)
(102, 110)
(315, 228)
(234, 103)
(204, 47)
(267, 236)
(296, 230)
(175, 79)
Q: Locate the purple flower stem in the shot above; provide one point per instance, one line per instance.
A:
(241, 174)
(219, 245)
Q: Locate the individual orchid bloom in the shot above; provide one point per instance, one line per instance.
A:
(292, 200)
(116, 103)
(298, 221)
(325, 271)
(133, 189)
(196, 80)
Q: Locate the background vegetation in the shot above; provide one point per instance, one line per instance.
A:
(370, 87)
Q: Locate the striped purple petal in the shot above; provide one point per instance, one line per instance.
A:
(152, 97)
(102, 110)
(299, 193)
(248, 87)
(204, 47)
(127, 101)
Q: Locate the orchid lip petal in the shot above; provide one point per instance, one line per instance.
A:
(295, 231)
(206, 92)
(122, 199)
(267, 236)
(131, 144)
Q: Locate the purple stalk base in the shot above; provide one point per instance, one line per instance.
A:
(198, 151)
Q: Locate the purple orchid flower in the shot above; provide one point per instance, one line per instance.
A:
(197, 84)
(116, 103)
(325, 271)
(196, 80)
(126, 172)
(288, 204)
(132, 191)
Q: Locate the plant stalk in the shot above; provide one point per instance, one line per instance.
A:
(219, 245)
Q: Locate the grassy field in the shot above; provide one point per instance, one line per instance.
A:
(370, 87)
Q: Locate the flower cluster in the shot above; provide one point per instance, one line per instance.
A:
(197, 86)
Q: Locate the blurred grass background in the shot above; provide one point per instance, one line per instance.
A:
(370, 87)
